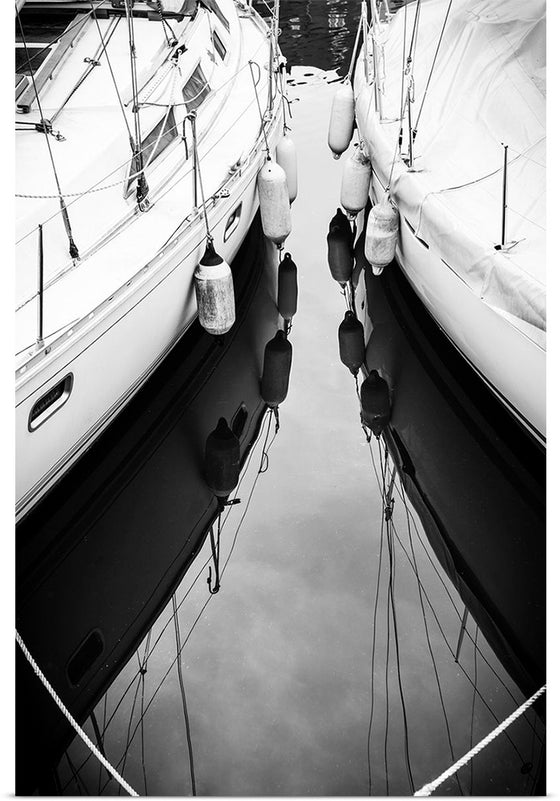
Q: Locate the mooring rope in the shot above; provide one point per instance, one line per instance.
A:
(429, 788)
(75, 725)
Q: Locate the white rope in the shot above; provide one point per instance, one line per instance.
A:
(429, 788)
(69, 717)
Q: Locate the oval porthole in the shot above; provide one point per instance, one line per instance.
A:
(50, 402)
(233, 222)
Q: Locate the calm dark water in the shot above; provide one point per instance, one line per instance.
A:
(329, 662)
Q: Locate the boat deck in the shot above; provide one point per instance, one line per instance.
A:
(94, 159)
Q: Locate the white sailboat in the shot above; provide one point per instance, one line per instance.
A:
(141, 129)
(450, 108)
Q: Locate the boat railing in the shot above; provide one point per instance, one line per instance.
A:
(224, 191)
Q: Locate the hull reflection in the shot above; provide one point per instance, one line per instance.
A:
(476, 482)
(99, 558)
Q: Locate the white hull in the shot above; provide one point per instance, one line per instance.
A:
(111, 355)
(511, 364)
(113, 316)
(487, 296)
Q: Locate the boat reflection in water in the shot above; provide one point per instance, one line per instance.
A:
(99, 559)
(461, 481)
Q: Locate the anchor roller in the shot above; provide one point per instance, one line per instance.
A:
(276, 369)
(274, 201)
(215, 296)
(375, 403)
(222, 460)
(382, 232)
(287, 288)
(286, 157)
(341, 123)
(339, 248)
(351, 344)
(356, 177)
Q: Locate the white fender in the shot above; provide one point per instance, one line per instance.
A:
(356, 177)
(381, 235)
(286, 157)
(274, 201)
(341, 124)
(215, 298)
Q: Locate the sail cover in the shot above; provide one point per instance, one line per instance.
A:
(486, 90)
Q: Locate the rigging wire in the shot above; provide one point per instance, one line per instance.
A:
(392, 578)
(128, 740)
(375, 609)
(401, 107)
(421, 587)
(142, 185)
(75, 776)
(388, 631)
(387, 656)
(251, 64)
(183, 692)
(71, 27)
(96, 188)
(103, 729)
(473, 707)
(429, 787)
(402, 495)
(432, 68)
(71, 720)
(73, 250)
(190, 588)
(160, 12)
(266, 447)
(99, 739)
(92, 63)
(452, 652)
(532, 758)
(113, 79)
(428, 640)
(143, 667)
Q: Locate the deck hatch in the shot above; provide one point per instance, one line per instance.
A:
(50, 402)
(84, 657)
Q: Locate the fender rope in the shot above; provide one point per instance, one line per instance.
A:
(71, 720)
(429, 788)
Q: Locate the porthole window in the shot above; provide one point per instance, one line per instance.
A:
(196, 89)
(232, 222)
(219, 46)
(152, 146)
(50, 402)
